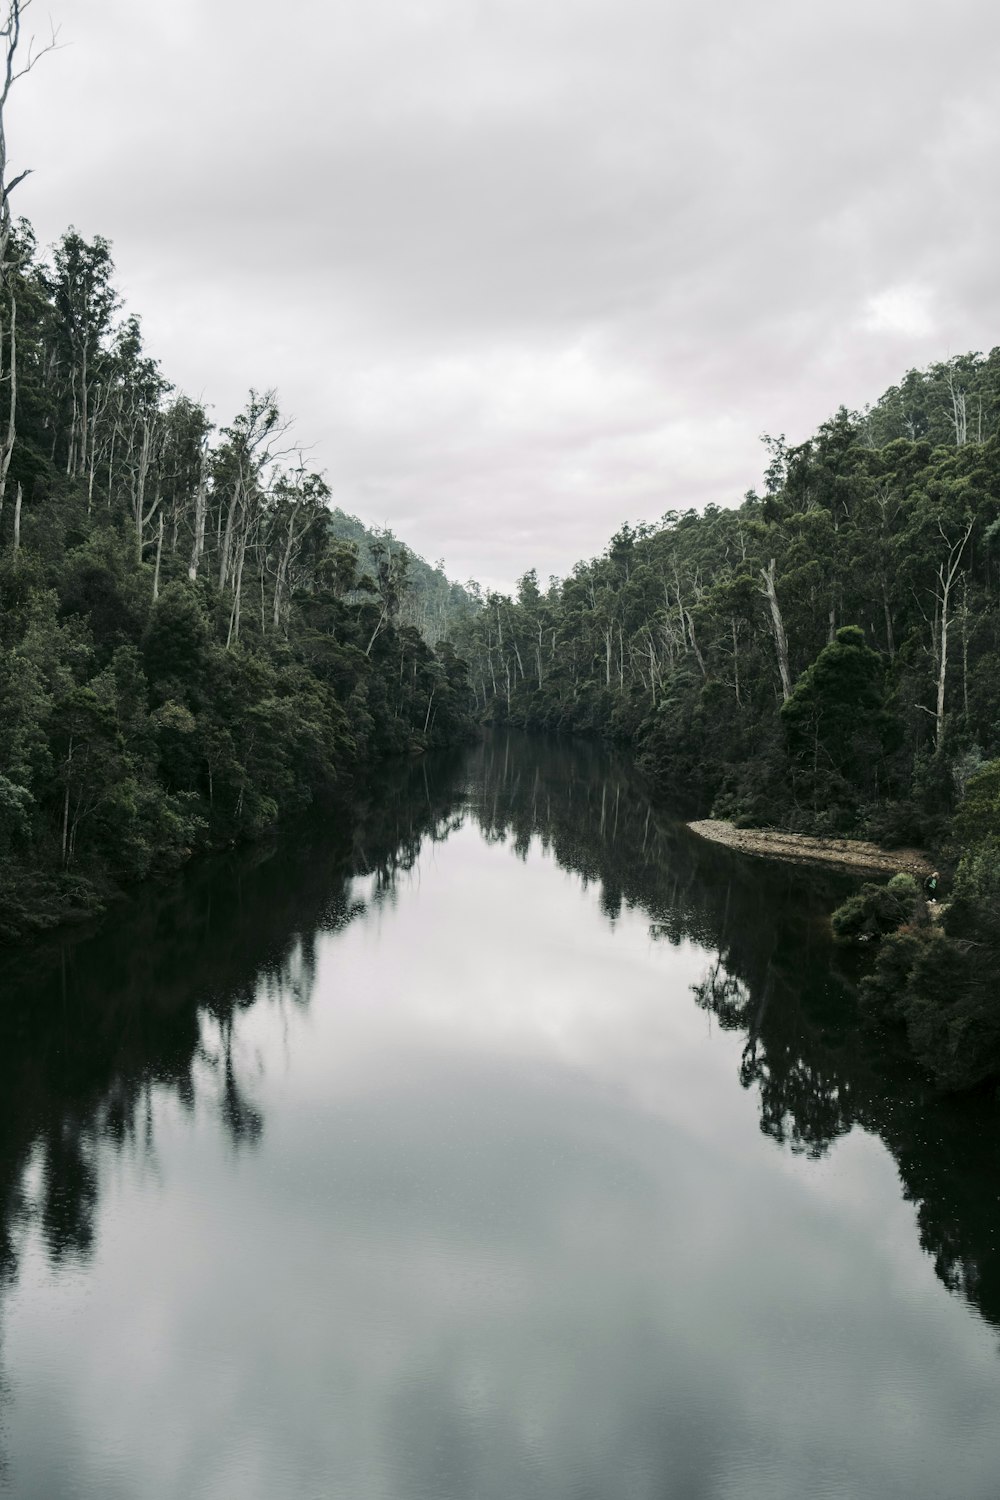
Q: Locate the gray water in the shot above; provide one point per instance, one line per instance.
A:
(506, 1142)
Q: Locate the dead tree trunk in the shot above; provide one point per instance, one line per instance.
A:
(7, 445)
(946, 577)
(143, 516)
(159, 554)
(200, 512)
(736, 664)
(234, 617)
(10, 32)
(959, 412)
(694, 645)
(778, 626)
(282, 573)
(235, 505)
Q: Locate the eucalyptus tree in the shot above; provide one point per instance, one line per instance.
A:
(17, 63)
(685, 639)
(135, 442)
(244, 467)
(183, 461)
(84, 302)
(298, 506)
(392, 565)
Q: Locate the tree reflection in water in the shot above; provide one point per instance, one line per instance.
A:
(94, 1027)
(774, 977)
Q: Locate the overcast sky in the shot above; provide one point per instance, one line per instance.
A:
(522, 269)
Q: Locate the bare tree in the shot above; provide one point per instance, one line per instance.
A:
(295, 502)
(10, 33)
(959, 410)
(200, 512)
(778, 625)
(946, 573)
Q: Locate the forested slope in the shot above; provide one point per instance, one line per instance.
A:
(189, 651)
(432, 602)
(823, 657)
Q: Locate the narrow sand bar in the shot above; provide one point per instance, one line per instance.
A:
(798, 848)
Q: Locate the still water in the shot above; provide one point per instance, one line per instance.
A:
(508, 1143)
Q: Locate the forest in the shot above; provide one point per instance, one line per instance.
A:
(196, 643)
(431, 602)
(192, 647)
(823, 658)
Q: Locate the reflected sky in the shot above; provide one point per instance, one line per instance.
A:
(503, 1223)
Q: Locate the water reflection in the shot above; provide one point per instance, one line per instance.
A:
(96, 1032)
(773, 978)
(92, 1026)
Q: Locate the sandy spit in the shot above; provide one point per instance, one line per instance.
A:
(798, 848)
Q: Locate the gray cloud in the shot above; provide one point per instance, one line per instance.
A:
(521, 270)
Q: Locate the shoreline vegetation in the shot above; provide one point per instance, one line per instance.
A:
(194, 646)
(858, 856)
(816, 666)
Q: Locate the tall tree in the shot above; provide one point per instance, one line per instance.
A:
(13, 70)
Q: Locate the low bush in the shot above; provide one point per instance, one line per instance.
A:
(943, 991)
(877, 910)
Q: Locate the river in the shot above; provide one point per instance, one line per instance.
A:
(503, 1143)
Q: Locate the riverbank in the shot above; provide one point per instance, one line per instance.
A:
(847, 854)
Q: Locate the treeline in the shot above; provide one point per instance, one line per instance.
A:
(432, 602)
(823, 657)
(189, 649)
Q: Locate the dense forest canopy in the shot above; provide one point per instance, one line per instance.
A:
(194, 642)
(191, 645)
(822, 654)
(824, 657)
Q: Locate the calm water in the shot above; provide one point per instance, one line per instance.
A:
(510, 1144)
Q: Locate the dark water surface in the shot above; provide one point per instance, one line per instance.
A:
(512, 1144)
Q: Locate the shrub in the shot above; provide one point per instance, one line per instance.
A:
(943, 991)
(876, 910)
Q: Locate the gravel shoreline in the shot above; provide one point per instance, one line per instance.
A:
(798, 848)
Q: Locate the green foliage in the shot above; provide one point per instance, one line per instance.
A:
(176, 643)
(427, 600)
(878, 909)
(188, 652)
(837, 728)
(977, 881)
(977, 835)
(822, 658)
(978, 817)
(939, 982)
(15, 815)
(680, 638)
(943, 992)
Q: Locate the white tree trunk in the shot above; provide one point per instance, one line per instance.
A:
(234, 618)
(159, 554)
(694, 644)
(946, 578)
(778, 626)
(200, 511)
(7, 448)
(227, 540)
